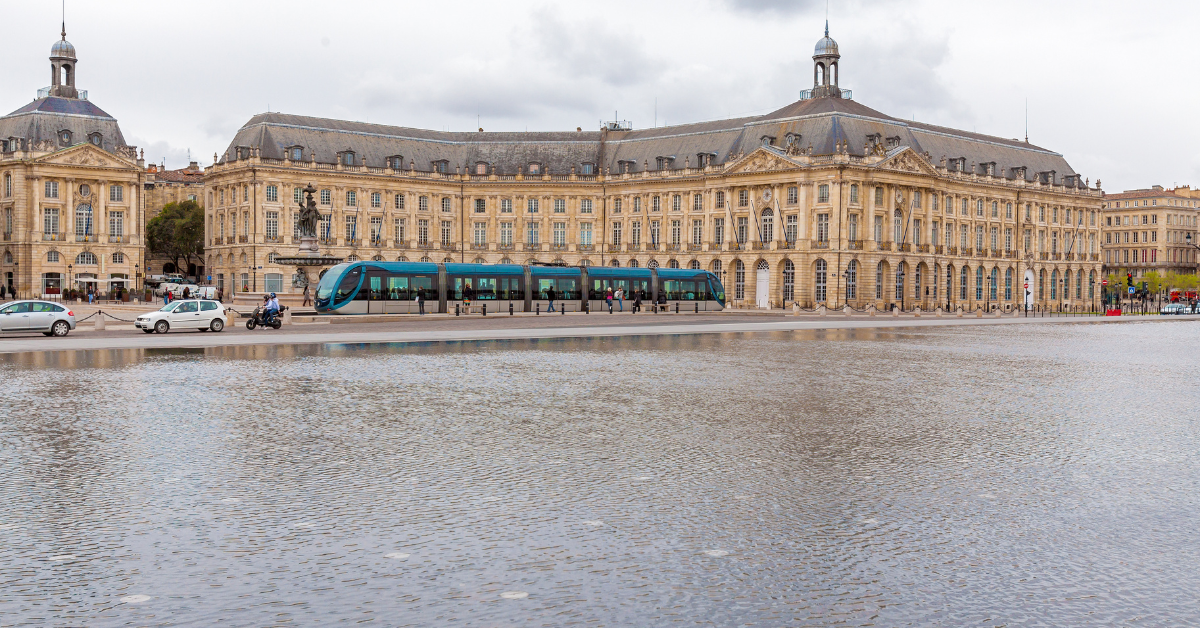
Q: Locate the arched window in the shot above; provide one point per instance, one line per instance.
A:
(819, 281)
(672, 263)
(1008, 285)
(118, 258)
(852, 280)
(962, 284)
(86, 258)
(52, 256)
(899, 280)
(979, 283)
(949, 283)
(992, 284)
(615, 263)
(1042, 284)
(83, 222)
(633, 263)
(1092, 285)
(879, 281)
(1079, 285)
(716, 267)
(1066, 286)
(897, 233)
(768, 225)
(1054, 286)
(652, 264)
(917, 281)
(694, 264)
(789, 280)
(739, 279)
(933, 278)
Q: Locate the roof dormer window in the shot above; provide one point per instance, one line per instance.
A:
(296, 153)
(767, 140)
(535, 168)
(481, 168)
(441, 166)
(396, 162)
(96, 139)
(64, 137)
(587, 169)
(346, 158)
(626, 166)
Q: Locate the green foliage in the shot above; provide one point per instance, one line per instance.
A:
(177, 233)
(1154, 281)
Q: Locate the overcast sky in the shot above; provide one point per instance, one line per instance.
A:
(1111, 85)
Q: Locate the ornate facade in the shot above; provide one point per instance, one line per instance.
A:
(1147, 230)
(822, 201)
(70, 192)
(164, 186)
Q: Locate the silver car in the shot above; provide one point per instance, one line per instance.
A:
(52, 319)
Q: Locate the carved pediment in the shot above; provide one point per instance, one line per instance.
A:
(905, 159)
(761, 160)
(86, 155)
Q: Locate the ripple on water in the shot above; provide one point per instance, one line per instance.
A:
(940, 476)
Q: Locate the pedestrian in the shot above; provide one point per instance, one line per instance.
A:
(307, 297)
(1, 292)
(420, 303)
(550, 297)
(637, 302)
(620, 296)
(186, 292)
(608, 297)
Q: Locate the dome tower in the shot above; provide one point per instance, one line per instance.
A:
(62, 68)
(825, 68)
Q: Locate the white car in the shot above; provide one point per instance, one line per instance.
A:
(52, 319)
(201, 314)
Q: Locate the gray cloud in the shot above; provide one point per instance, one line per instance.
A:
(786, 7)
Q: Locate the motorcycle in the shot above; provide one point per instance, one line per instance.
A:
(259, 318)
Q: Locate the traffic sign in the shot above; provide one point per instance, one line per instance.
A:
(1104, 282)
(210, 277)
(1026, 285)
(1131, 290)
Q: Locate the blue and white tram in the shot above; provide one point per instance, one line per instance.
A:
(400, 287)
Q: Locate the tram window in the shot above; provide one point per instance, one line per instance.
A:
(347, 286)
(565, 288)
(398, 289)
(372, 288)
(600, 287)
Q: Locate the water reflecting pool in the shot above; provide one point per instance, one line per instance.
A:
(986, 476)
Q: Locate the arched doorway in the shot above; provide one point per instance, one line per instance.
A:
(762, 285)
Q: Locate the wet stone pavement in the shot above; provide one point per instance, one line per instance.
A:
(1017, 475)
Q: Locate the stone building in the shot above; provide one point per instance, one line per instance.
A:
(164, 186)
(70, 191)
(823, 201)
(1146, 230)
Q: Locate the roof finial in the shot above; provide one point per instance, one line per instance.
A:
(826, 29)
(64, 23)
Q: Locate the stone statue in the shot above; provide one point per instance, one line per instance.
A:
(309, 214)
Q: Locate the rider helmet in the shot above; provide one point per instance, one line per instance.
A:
(272, 295)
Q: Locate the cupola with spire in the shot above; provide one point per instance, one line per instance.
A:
(62, 68)
(825, 67)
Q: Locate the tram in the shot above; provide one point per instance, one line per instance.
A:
(369, 287)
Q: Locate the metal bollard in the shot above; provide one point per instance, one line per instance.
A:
(510, 308)
(538, 310)
(563, 309)
(456, 309)
(677, 307)
(484, 310)
(697, 307)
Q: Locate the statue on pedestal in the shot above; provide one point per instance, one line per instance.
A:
(309, 216)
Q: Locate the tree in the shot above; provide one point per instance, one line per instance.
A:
(1154, 281)
(177, 233)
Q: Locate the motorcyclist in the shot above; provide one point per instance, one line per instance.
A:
(270, 307)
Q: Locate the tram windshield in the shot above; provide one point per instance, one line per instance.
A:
(329, 280)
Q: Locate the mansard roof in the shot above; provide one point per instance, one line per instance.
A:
(41, 121)
(819, 123)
